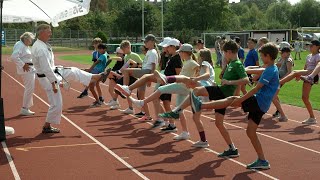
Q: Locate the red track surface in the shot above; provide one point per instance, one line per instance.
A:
(92, 138)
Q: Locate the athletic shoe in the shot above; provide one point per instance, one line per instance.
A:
(123, 89)
(169, 128)
(201, 144)
(307, 79)
(112, 103)
(119, 93)
(9, 130)
(96, 104)
(183, 136)
(171, 114)
(65, 85)
(310, 121)
(26, 112)
(259, 164)
(276, 114)
(138, 103)
(146, 118)
(101, 100)
(140, 114)
(229, 153)
(83, 94)
(105, 75)
(158, 123)
(195, 103)
(127, 111)
(282, 119)
(114, 107)
(50, 130)
(161, 78)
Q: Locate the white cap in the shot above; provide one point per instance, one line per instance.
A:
(165, 41)
(284, 44)
(172, 42)
(119, 50)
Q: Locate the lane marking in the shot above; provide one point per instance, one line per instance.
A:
(295, 121)
(57, 146)
(89, 136)
(11, 163)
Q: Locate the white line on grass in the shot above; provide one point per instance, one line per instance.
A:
(11, 163)
(89, 136)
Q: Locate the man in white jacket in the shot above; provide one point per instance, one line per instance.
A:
(21, 56)
(50, 76)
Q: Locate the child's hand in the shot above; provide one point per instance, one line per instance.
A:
(236, 102)
(191, 84)
(225, 82)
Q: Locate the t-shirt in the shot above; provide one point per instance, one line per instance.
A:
(164, 58)
(151, 58)
(118, 65)
(251, 58)
(234, 71)
(270, 80)
(241, 53)
(173, 63)
(283, 68)
(95, 56)
(102, 63)
(210, 81)
(188, 68)
(312, 61)
(133, 56)
(297, 46)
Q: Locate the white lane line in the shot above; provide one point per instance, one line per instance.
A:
(295, 121)
(208, 149)
(89, 136)
(11, 163)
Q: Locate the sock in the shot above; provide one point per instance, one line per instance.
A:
(231, 146)
(172, 125)
(171, 79)
(203, 136)
(177, 110)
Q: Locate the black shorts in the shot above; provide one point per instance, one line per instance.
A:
(131, 80)
(165, 97)
(316, 79)
(114, 77)
(215, 93)
(251, 105)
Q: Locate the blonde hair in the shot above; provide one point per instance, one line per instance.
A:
(26, 35)
(124, 44)
(43, 27)
(264, 40)
(97, 40)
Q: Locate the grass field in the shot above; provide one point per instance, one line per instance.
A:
(8, 50)
(289, 94)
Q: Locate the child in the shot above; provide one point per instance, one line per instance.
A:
(95, 56)
(313, 60)
(233, 76)
(97, 68)
(285, 65)
(297, 49)
(241, 50)
(258, 101)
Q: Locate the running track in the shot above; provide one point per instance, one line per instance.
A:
(97, 143)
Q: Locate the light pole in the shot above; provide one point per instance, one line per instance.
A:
(142, 11)
(162, 31)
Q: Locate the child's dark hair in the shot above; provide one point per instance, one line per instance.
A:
(102, 46)
(205, 55)
(237, 39)
(270, 49)
(230, 45)
(253, 40)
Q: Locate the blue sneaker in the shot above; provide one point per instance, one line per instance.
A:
(170, 115)
(195, 103)
(259, 164)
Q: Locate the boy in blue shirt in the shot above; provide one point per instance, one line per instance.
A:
(97, 68)
(241, 50)
(257, 101)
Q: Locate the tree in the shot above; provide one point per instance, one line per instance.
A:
(261, 4)
(306, 13)
(278, 15)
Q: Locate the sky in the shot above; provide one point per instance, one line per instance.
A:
(291, 1)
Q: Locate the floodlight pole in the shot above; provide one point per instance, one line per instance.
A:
(2, 127)
(142, 11)
(162, 31)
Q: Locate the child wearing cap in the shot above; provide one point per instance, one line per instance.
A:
(312, 61)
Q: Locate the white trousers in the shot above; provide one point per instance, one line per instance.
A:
(28, 81)
(55, 99)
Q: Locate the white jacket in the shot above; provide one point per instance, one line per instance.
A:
(20, 56)
(43, 60)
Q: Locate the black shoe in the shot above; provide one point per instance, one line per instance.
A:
(83, 94)
(229, 153)
(140, 114)
(50, 130)
(101, 99)
(157, 124)
(169, 128)
(120, 94)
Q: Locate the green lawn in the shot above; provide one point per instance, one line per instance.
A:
(8, 50)
(289, 94)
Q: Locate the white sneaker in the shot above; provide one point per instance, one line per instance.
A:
(123, 89)
(183, 136)
(282, 119)
(114, 107)
(9, 130)
(26, 112)
(200, 144)
(136, 102)
(113, 103)
(127, 111)
(310, 121)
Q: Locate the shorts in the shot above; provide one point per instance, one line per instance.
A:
(131, 80)
(175, 88)
(215, 93)
(95, 71)
(251, 105)
(163, 97)
(114, 77)
(139, 74)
